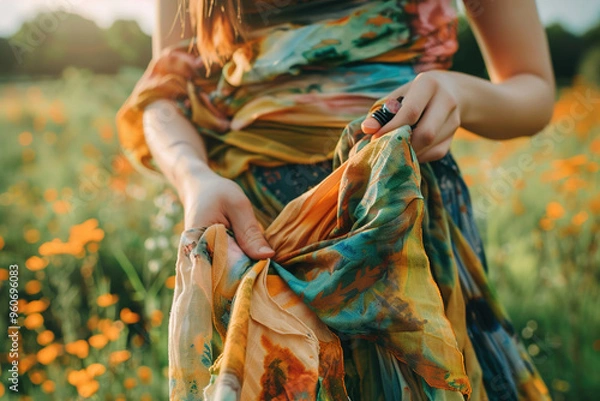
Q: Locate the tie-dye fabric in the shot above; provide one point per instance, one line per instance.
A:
(378, 289)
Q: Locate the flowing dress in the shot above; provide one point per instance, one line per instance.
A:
(378, 289)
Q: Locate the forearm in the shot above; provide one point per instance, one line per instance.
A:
(176, 147)
(519, 106)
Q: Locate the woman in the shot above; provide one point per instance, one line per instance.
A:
(377, 273)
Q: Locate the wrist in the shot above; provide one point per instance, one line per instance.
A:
(189, 176)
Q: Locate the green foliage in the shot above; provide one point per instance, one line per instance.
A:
(53, 41)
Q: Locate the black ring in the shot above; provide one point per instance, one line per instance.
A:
(383, 115)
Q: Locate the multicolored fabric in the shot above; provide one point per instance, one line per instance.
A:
(378, 289)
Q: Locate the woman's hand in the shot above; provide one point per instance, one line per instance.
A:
(431, 106)
(211, 199)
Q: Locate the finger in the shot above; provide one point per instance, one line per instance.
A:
(435, 152)
(429, 130)
(371, 125)
(248, 233)
(414, 104)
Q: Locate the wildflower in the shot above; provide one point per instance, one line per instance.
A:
(80, 348)
(36, 306)
(118, 357)
(129, 317)
(31, 236)
(32, 287)
(36, 263)
(33, 321)
(554, 210)
(88, 389)
(45, 337)
(98, 341)
(129, 383)
(48, 354)
(579, 218)
(106, 300)
(25, 138)
(48, 387)
(95, 369)
(37, 376)
(170, 282)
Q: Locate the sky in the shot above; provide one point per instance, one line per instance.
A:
(575, 15)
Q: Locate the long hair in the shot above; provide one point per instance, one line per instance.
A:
(217, 25)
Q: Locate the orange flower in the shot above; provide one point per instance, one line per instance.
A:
(37, 376)
(156, 318)
(106, 300)
(98, 341)
(26, 363)
(170, 282)
(1, 242)
(78, 377)
(113, 332)
(61, 207)
(95, 369)
(36, 306)
(579, 218)
(88, 389)
(31, 236)
(129, 383)
(92, 322)
(45, 337)
(79, 236)
(546, 224)
(57, 247)
(25, 138)
(50, 194)
(3, 274)
(145, 374)
(36, 263)
(33, 321)
(1, 389)
(48, 387)
(32, 287)
(129, 317)
(118, 357)
(48, 354)
(110, 329)
(554, 210)
(80, 348)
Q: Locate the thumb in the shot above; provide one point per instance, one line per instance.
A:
(248, 233)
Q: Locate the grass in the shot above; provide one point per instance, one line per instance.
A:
(95, 241)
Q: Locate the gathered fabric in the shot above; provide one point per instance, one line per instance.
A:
(378, 289)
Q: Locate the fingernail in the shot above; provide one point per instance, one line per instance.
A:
(265, 249)
(371, 124)
(392, 105)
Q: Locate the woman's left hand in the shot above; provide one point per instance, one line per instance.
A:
(431, 106)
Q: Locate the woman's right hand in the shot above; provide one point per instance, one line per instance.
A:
(211, 199)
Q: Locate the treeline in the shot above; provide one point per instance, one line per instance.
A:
(53, 41)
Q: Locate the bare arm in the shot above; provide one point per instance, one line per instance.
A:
(516, 102)
(519, 99)
(180, 153)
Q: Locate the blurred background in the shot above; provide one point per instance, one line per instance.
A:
(95, 241)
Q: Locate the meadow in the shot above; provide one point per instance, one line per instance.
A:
(95, 241)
